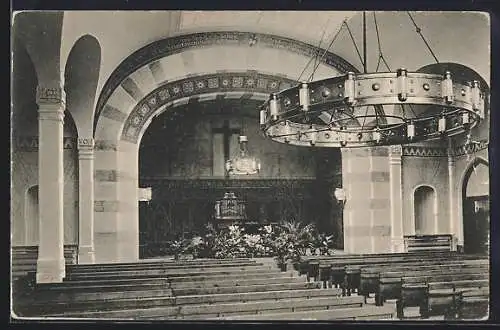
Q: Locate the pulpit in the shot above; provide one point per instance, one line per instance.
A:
(230, 210)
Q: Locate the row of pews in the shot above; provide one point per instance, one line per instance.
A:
(439, 283)
(232, 289)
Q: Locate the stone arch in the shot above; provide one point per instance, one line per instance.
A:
(24, 83)
(81, 75)
(192, 54)
(41, 33)
(425, 220)
(171, 72)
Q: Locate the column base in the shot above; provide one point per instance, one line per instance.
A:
(50, 270)
(86, 255)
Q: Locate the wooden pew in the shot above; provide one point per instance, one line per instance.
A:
(370, 274)
(473, 304)
(444, 298)
(310, 265)
(414, 289)
(391, 283)
(337, 275)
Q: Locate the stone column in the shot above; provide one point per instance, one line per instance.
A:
(367, 211)
(50, 263)
(396, 192)
(86, 253)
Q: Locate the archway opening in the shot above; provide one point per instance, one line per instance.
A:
(31, 217)
(475, 203)
(182, 156)
(425, 210)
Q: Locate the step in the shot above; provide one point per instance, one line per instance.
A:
(69, 297)
(243, 275)
(249, 296)
(162, 263)
(118, 301)
(366, 312)
(186, 311)
(237, 282)
(98, 306)
(248, 288)
(78, 271)
(165, 272)
(129, 285)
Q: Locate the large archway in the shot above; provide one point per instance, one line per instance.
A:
(182, 76)
(475, 207)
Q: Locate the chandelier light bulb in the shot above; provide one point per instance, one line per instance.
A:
(442, 124)
(377, 136)
(465, 118)
(262, 117)
(304, 97)
(411, 130)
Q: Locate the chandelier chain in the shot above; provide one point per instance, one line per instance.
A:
(315, 57)
(319, 46)
(419, 32)
(326, 50)
(354, 43)
(380, 53)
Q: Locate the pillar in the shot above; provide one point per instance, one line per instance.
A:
(86, 253)
(451, 192)
(50, 263)
(396, 192)
(367, 210)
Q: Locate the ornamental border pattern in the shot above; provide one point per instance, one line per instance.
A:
(174, 45)
(245, 82)
(30, 143)
(418, 151)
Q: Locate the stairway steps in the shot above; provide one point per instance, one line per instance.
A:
(165, 272)
(237, 282)
(249, 288)
(97, 296)
(238, 275)
(87, 307)
(158, 263)
(89, 286)
(250, 296)
(204, 311)
(367, 312)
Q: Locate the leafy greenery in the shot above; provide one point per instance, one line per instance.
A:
(286, 242)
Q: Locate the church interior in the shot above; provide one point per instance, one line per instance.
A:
(134, 131)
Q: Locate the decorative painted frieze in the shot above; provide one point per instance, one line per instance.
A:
(223, 82)
(30, 143)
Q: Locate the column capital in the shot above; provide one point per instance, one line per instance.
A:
(50, 96)
(86, 148)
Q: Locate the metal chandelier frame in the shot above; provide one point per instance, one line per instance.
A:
(369, 109)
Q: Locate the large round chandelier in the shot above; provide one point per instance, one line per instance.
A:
(368, 109)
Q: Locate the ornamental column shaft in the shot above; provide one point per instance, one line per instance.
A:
(396, 193)
(86, 253)
(50, 263)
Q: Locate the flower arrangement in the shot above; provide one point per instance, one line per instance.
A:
(286, 243)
